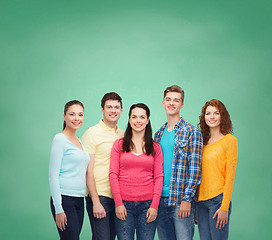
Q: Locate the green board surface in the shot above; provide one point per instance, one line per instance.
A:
(56, 51)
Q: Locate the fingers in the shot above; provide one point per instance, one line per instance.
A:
(222, 218)
(121, 216)
(121, 212)
(184, 213)
(61, 221)
(151, 215)
(100, 214)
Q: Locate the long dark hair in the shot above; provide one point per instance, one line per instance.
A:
(148, 140)
(225, 122)
(69, 104)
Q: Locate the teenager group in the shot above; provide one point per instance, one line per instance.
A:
(185, 175)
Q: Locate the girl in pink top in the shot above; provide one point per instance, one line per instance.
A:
(136, 177)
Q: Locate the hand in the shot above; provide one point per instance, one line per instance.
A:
(99, 211)
(222, 218)
(151, 215)
(121, 212)
(184, 209)
(61, 220)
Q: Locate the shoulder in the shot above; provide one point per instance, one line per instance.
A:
(230, 139)
(120, 132)
(118, 142)
(91, 132)
(60, 137)
(59, 141)
(94, 128)
(191, 128)
(160, 129)
(156, 145)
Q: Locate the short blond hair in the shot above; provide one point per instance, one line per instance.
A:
(174, 88)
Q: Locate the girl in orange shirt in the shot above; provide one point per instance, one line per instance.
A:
(219, 159)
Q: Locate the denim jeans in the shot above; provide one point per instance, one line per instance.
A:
(102, 229)
(206, 224)
(170, 226)
(136, 219)
(74, 210)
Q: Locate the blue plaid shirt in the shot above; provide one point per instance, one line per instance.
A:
(185, 173)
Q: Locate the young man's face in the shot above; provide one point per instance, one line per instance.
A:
(111, 111)
(172, 103)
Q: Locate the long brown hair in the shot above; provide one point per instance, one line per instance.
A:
(128, 144)
(225, 122)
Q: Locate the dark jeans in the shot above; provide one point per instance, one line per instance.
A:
(135, 220)
(102, 229)
(74, 209)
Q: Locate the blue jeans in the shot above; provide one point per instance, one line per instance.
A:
(170, 226)
(102, 229)
(206, 225)
(136, 219)
(74, 209)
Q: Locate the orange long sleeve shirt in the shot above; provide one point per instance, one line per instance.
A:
(218, 166)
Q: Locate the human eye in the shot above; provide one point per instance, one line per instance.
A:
(207, 113)
(177, 100)
(217, 113)
(81, 114)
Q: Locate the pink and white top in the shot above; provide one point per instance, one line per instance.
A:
(136, 177)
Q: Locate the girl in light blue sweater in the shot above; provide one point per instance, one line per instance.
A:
(67, 174)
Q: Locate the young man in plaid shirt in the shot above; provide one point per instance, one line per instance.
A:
(181, 144)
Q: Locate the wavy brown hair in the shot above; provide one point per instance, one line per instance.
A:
(225, 122)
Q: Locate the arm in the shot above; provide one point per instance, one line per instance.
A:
(158, 184)
(231, 158)
(120, 209)
(98, 209)
(90, 144)
(56, 156)
(195, 146)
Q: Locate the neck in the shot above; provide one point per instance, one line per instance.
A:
(172, 121)
(110, 124)
(137, 136)
(69, 132)
(215, 132)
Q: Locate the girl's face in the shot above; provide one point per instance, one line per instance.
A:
(74, 117)
(212, 117)
(138, 119)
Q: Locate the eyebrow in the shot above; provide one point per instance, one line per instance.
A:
(173, 98)
(134, 115)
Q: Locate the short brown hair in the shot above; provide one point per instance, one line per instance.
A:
(111, 96)
(174, 88)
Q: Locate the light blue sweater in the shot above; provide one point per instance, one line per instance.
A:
(67, 170)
